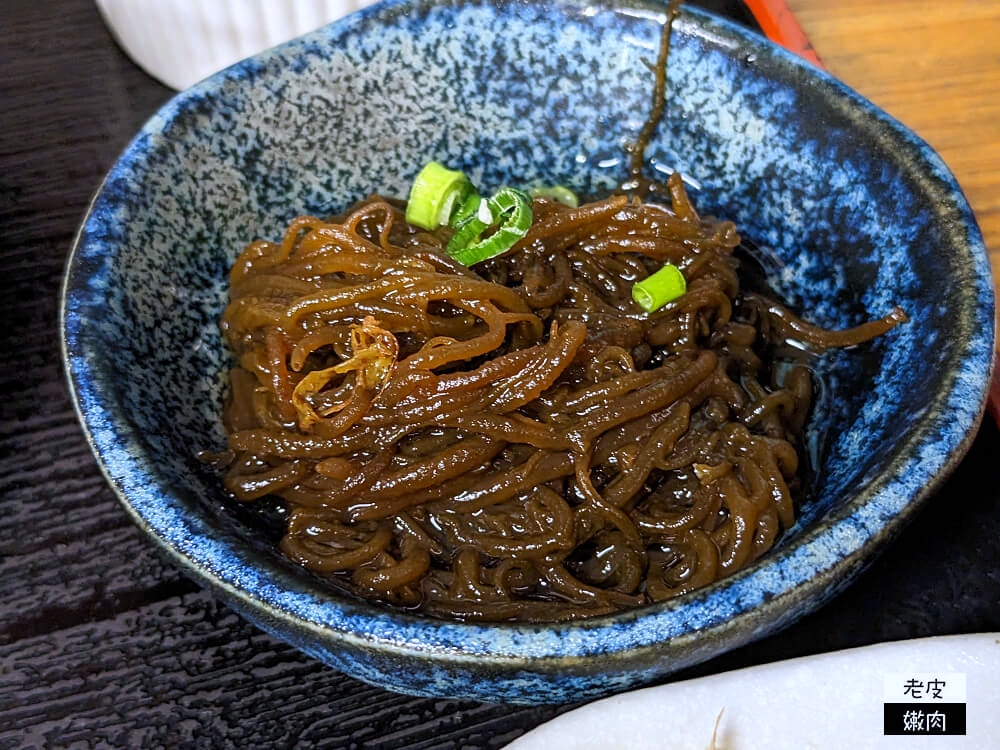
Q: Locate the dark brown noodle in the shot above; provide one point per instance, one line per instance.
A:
(516, 441)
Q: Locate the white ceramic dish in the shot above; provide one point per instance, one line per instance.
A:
(180, 42)
(827, 702)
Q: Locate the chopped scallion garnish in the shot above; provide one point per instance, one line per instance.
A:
(557, 193)
(662, 287)
(435, 195)
(509, 211)
(444, 197)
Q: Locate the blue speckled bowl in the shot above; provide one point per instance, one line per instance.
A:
(858, 213)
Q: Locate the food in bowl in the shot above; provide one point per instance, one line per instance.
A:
(511, 408)
(527, 437)
(857, 214)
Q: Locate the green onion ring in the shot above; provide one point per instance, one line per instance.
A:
(509, 210)
(662, 287)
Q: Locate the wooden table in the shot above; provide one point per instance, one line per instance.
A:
(935, 66)
(104, 644)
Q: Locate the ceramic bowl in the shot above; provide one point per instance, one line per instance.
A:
(179, 42)
(855, 212)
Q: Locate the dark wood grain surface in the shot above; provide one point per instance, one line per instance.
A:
(104, 644)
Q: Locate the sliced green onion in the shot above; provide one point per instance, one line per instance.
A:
(662, 287)
(468, 208)
(509, 210)
(470, 221)
(440, 196)
(557, 193)
(435, 194)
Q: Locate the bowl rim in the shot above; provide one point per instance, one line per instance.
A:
(878, 512)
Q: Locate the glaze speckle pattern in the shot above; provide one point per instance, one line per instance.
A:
(855, 213)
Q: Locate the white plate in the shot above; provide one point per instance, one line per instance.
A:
(833, 701)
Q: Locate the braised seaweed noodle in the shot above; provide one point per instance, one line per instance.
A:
(518, 439)
(517, 408)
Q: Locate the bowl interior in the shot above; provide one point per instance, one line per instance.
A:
(854, 214)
